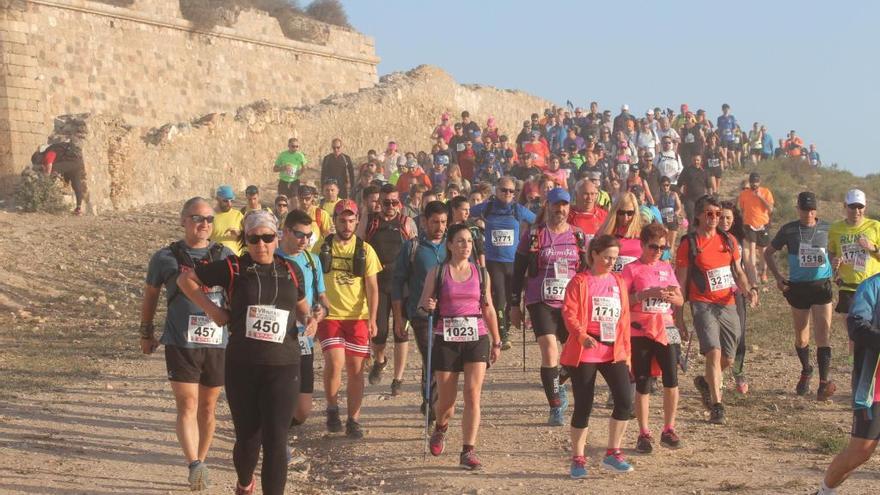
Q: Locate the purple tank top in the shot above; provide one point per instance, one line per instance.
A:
(460, 299)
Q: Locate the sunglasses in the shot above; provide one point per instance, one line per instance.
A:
(855, 207)
(202, 218)
(223, 200)
(506, 190)
(712, 214)
(391, 202)
(628, 213)
(294, 146)
(337, 147)
(301, 235)
(657, 247)
(266, 238)
(282, 205)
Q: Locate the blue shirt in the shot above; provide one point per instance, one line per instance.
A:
(767, 144)
(311, 282)
(862, 326)
(502, 227)
(409, 277)
(726, 124)
(805, 246)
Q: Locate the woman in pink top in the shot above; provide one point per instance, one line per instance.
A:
(596, 313)
(625, 223)
(654, 293)
(464, 320)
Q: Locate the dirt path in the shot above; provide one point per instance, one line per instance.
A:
(82, 412)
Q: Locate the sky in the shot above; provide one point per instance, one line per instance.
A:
(809, 66)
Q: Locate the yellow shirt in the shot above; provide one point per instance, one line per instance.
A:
(223, 222)
(858, 264)
(329, 206)
(322, 225)
(345, 292)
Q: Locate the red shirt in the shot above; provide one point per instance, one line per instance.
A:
(713, 264)
(588, 222)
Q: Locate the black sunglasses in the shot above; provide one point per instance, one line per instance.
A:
(266, 238)
(301, 235)
(855, 206)
(628, 213)
(506, 190)
(391, 202)
(282, 205)
(657, 247)
(202, 218)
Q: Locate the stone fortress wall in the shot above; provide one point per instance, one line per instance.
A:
(130, 165)
(143, 62)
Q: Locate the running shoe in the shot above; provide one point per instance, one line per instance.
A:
(396, 385)
(375, 377)
(505, 345)
(246, 490)
(615, 462)
(353, 429)
(78, 212)
(438, 440)
(825, 391)
(670, 439)
(334, 424)
(644, 444)
(703, 387)
(198, 476)
(742, 385)
(803, 385)
(469, 460)
(563, 397)
(556, 417)
(716, 414)
(578, 467)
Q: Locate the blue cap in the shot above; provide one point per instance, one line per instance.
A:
(225, 192)
(558, 194)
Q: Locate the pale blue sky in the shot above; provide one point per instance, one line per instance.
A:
(809, 66)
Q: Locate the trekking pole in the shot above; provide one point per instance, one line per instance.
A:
(522, 324)
(428, 384)
(687, 354)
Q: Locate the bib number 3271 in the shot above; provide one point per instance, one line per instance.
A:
(502, 238)
(720, 278)
(460, 329)
(266, 323)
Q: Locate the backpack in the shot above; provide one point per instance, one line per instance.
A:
(490, 206)
(693, 251)
(358, 263)
(235, 271)
(535, 234)
(437, 283)
(314, 270)
(64, 152)
(373, 226)
(178, 250)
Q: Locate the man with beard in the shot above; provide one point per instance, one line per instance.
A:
(227, 221)
(337, 165)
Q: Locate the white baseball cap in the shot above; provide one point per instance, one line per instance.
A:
(855, 196)
(624, 107)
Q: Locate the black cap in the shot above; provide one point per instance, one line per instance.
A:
(251, 190)
(754, 177)
(807, 201)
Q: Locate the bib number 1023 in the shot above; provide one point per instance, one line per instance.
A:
(266, 323)
(460, 329)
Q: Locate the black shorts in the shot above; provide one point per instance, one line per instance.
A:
(804, 295)
(844, 300)
(202, 365)
(307, 372)
(862, 427)
(714, 172)
(451, 356)
(547, 321)
(761, 237)
(289, 189)
(644, 352)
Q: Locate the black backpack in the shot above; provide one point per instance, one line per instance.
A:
(693, 251)
(184, 260)
(358, 263)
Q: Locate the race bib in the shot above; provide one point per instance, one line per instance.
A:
(266, 323)
(305, 346)
(854, 255)
(811, 257)
(673, 336)
(553, 289)
(502, 238)
(460, 329)
(689, 138)
(202, 330)
(560, 268)
(621, 262)
(720, 278)
(714, 162)
(606, 311)
(655, 305)
(668, 214)
(459, 147)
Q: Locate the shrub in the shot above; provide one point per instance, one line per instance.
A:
(39, 192)
(329, 11)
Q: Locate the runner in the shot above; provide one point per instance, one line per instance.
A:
(862, 324)
(714, 158)
(466, 339)
(290, 165)
(386, 231)
(547, 257)
(586, 214)
(322, 226)
(227, 221)
(350, 269)
(706, 266)
(731, 222)
(756, 205)
(417, 257)
(294, 247)
(460, 209)
(596, 314)
(625, 223)
(807, 289)
(252, 193)
(653, 291)
(671, 210)
(503, 219)
(854, 247)
(194, 346)
(262, 358)
(339, 167)
(282, 206)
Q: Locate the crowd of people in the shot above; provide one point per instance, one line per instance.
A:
(594, 231)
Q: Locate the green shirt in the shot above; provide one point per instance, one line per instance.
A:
(296, 160)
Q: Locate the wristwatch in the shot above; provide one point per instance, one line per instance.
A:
(497, 345)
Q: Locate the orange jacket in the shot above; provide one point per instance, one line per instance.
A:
(575, 313)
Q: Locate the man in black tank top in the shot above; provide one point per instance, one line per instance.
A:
(386, 231)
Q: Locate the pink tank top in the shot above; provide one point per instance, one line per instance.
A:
(460, 299)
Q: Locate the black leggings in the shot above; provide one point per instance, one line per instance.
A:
(261, 399)
(73, 171)
(501, 277)
(383, 317)
(739, 360)
(583, 385)
(644, 350)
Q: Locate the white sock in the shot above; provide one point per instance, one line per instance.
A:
(824, 490)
